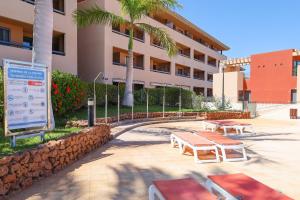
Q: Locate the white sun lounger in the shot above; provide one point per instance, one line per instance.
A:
(213, 125)
(225, 144)
(196, 143)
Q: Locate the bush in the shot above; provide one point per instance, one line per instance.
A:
(69, 93)
(172, 97)
(1, 96)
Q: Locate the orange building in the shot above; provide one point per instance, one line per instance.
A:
(273, 78)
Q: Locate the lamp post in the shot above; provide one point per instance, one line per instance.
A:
(95, 101)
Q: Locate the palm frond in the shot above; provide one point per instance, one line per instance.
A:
(96, 15)
(156, 5)
(160, 35)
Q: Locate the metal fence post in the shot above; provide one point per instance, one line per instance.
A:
(105, 102)
(164, 99)
(180, 102)
(147, 96)
(132, 102)
(118, 102)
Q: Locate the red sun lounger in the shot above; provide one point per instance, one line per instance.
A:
(242, 187)
(197, 144)
(239, 127)
(232, 150)
(180, 189)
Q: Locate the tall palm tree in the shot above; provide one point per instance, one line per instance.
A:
(42, 37)
(135, 11)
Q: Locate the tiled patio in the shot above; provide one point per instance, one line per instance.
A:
(124, 168)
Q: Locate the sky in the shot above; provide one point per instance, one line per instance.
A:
(247, 26)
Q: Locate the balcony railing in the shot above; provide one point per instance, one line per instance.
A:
(199, 60)
(183, 75)
(199, 78)
(21, 46)
(160, 71)
(186, 35)
(124, 65)
(127, 35)
(184, 55)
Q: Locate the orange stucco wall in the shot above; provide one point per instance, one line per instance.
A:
(271, 79)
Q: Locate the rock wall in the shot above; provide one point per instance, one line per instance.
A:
(18, 171)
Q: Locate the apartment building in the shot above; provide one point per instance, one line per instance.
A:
(271, 78)
(104, 49)
(16, 32)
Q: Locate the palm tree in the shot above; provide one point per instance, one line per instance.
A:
(42, 37)
(135, 10)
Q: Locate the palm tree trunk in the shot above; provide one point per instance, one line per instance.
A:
(42, 37)
(128, 96)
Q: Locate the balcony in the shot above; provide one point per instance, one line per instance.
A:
(19, 35)
(155, 43)
(198, 56)
(120, 57)
(183, 71)
(210, 77)
(160, 66)
(199, 90)
(199, 74)
(122, 30)
(173, 23)
(212, 61)
(183, 50)
(209, 92)
(58, 5)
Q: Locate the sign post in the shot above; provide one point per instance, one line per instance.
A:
(26, 100)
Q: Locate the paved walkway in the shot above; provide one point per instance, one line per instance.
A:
(124, 168)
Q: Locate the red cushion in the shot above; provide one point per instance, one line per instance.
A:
(194, 140)
(183, 189)
(219, 139)
(247, 188)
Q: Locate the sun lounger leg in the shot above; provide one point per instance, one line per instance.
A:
(244, 154)
(223, 154)
(153, 191)
(173, 141)
(225, 130)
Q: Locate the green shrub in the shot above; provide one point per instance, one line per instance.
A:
(1, 96)
(172, 97)
(69, 93)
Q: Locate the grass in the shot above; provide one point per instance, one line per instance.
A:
(61, 130)
(112, 110)
(6, 149)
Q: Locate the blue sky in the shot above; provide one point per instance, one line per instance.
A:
(247, 26)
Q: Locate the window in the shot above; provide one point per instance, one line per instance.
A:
(59, 44)
(209, 92)
(295, 68)
(59, 5)
(210, 77)
(4, 35)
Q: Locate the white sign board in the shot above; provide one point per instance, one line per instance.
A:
(25, 96)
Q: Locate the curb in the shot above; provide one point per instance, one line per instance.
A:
(144, 123)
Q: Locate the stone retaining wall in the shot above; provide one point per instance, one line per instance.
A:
(20, 170)
(168, 116)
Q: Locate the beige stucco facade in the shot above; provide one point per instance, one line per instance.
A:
(233, 82)
(98, 46)
(17, 16)
(298, 85)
